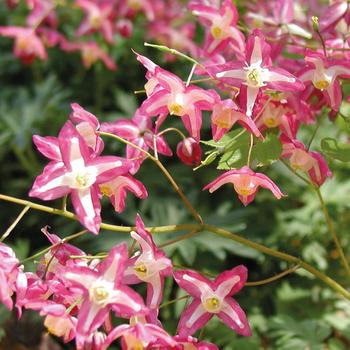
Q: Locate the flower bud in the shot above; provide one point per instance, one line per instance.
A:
(189, 151)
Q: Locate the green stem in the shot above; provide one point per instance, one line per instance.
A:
(159, 164)
(64, 240)
(108, 227)
(179, 238)
(174, 301)
(174, 52)
(326, 215)
(200, 227)
(273, 278)
(283, 256)
(14, 224)
(332, 230)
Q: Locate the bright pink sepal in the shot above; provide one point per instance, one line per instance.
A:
(246, 183)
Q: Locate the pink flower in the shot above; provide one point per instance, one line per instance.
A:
(225, 115)
(246, 183)
(301, 159)
(212, 298)
(257, 72)
(140, 335)
(150, 266)
(222, 27)
(90, 53)
(172, 96)
(189, 151)
(103, 291)
(27, 46)
(117, 188)
(57, 257)
(42, 10)
(193, 343)
(333, 14)
(98, 18)
(282, 19)
(324, 73)
(140, 132)
(12, 279)
(78, 173)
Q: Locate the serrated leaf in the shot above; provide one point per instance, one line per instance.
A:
(268, 150)
(332, 149)
(237, 154)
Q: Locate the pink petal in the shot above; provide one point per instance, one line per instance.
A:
(234, 317)
(193, 318)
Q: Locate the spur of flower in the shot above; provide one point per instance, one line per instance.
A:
(212, 298)
(246, 183)
(77, 172)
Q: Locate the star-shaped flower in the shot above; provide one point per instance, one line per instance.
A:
(212, 298)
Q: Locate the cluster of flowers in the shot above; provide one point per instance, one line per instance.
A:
(106, 18)
(263, 89)
(78, 296)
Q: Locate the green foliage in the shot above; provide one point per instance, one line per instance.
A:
(334, 150)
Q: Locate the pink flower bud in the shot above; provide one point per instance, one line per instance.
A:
(124, 28)
(189, 151)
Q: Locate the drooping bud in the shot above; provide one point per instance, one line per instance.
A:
(189, 151)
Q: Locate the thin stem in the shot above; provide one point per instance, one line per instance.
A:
(108, 227)
(283, 256)
(326, 215)
(273, 278)
(200, 227)
(64, 203)
(174, 52)
(313, 136)
(172, 129)
(179, 238)
(191, 74)
(304, 179)
(164, 171)
(174, 301)
(64, 240)
(250, 150)
(14, 224)
(332, 230)
(194, 212)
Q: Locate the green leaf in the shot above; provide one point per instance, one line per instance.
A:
(236, 155)
(268, 150)
(332, 149)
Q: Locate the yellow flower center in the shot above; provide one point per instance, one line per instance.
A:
(106, 190)
(321, 84)
(271, 122)
(95, 21)
(212, 304)
(134, 4)
(253, 77)
(141, 270)
(22, 43)
(223, 119)
(216, 32)
(81, 180)
(175, 109)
